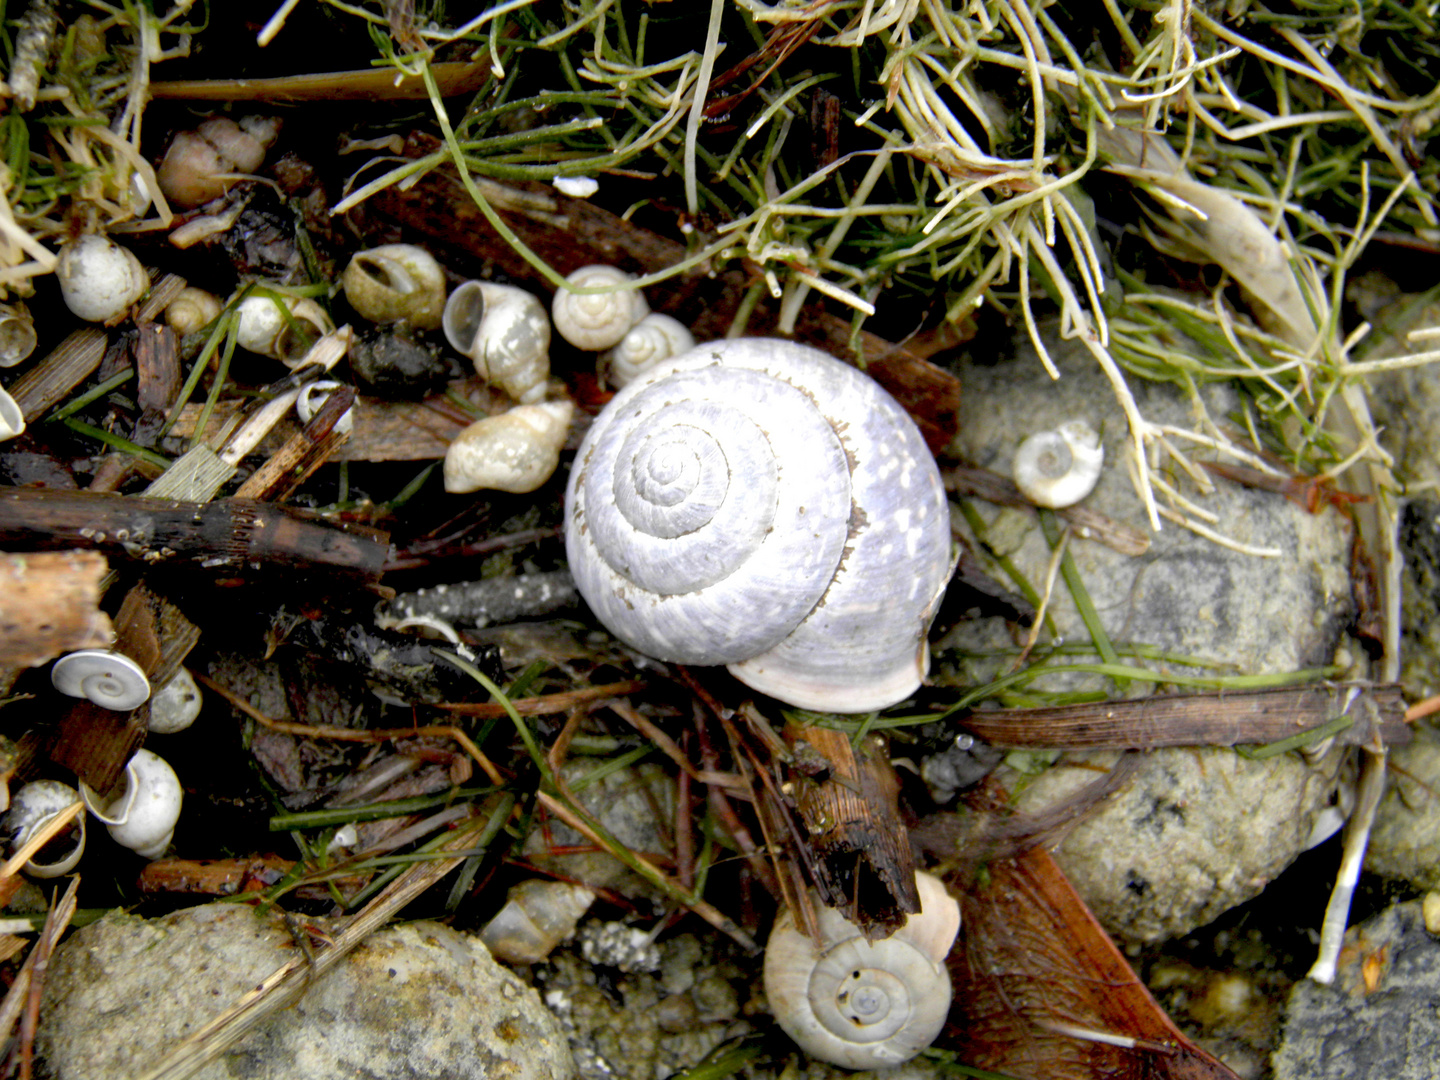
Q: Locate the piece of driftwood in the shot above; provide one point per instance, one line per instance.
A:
(568, 233)
(50, 604)
(859, 852)
(61, 370)
(227, 535)
(226, 877)
(94, 742)
(1218, 718)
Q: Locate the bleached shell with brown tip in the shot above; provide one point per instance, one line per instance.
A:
(862, 1004)
(396, 283)
(516, 451)
(597, 321)
(654, 338)
(504, 331)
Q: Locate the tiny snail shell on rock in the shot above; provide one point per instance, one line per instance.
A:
(863, 1004)
(759, 504)
(654, 338)
(538, 915)
(1059, 468)
(596, 321)
(396, 283)
(110, 679)
(515, 451)
(202, 164)
(503, 329)
(99, 279)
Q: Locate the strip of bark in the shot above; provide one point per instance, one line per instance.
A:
(227, 535)
(50, 604)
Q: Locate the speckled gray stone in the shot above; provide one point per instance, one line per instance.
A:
(1405, 839)
(1389, 1030)
(414, 1001)
(1198, 831)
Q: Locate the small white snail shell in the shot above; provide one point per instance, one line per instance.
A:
(110, 679)
(654, 338)
(264, 329)
(1059, 468)
(99, 279)
(143, 816)
(538, 915)
(175, 706)
(192, 310)
(312, 399)
(396, 283)
(12, 420)
(597, 321)
(32, 806)
(759, 504)
(17, 334)
(862, 1004)
(515, 451)
(201, 165)
(503, 329)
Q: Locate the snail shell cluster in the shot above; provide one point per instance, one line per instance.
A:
(759, 504)
(864, 1004)
(202, 164)
(1059, 468)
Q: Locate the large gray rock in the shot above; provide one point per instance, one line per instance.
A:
(1199, 830)
(412, 1001)
(1378, 1019)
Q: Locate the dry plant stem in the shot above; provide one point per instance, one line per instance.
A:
(547, 704)
(381, 84)
(646, 869)
(1357, 838)
(52, 379)
(325, 731)
(50, 604)
(302, 454)
(667, 746)
(22, 1001)
(1221, 718)
(288, 983)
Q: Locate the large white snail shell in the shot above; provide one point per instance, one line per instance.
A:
(596, 321)
(759, 504)
(654, 338)
(863, 1004)
(99, 279)
(143, 815)
(503, 329)
(1059, 468)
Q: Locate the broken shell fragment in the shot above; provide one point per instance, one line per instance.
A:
(516, 451)
(17, 334)
(99, 279)
(396, 283)
(12, 420)
(109, 679)
(312, 399)
(33, 806)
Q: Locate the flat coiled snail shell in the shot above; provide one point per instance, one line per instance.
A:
(759, 504)
(864, 1004)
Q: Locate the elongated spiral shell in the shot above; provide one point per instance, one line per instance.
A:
(864, 1004)
(759, 504)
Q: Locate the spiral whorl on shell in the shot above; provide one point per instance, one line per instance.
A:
(759, 504)
(864, 1004)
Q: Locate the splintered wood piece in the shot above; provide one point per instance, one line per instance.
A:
(94, 742)
(66, 366)
(303, 453)
(228, 535)
(226, 877)
(1219, 718)
(848, 797)
(161, 295)
(50, 604)
(569, 233)
(157, 363)
(1046, 995)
